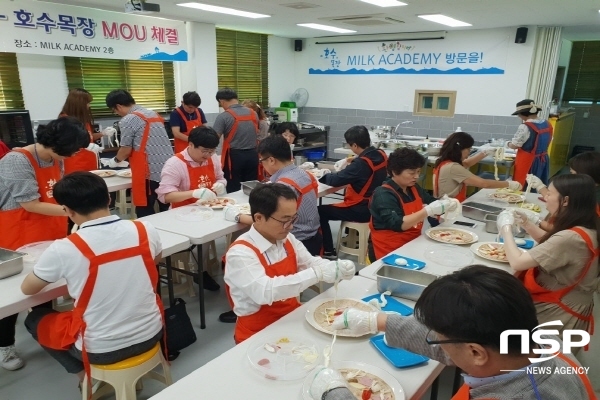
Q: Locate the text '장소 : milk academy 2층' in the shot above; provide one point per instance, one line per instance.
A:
(72, 47)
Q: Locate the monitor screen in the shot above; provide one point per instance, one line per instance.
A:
(15, 128)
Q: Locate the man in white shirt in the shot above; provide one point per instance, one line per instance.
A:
(267, 267)
(110, 269)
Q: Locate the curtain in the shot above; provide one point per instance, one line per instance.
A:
(542, 73)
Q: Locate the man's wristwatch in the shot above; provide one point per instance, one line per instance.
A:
(116, 160)
(237, 218)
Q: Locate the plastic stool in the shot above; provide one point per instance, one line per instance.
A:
(356, 241)
(124, 375)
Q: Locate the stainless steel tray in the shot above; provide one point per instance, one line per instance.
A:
(405, 283)
(478, 211)
(248, 186)
(11, 263)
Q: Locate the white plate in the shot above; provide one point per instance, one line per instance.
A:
(217, 206)
(104, 173)
(126, 173)
(429, 232)
(244, 208)
(194, 214)
(310, 315)
(385, 376)
(475, 250)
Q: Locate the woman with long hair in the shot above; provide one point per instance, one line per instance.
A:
(561, 272)
(451, 173)
(263, 121)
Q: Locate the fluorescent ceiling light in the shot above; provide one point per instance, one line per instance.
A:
(223, 10)
(385, 3)
(326, 28)
(444, 20)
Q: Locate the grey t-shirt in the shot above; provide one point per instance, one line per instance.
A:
(246, 135)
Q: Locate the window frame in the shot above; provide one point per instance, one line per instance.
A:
(434, 111)
(11, 91)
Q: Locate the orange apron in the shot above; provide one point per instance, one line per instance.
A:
(385, 240)
(313, 185)
(248, 325)
(225, 156)
(463, 392)
(462, 193)
(524, 159)
(352, 198)
(138, 160)
(598, 210)
(83, 160)
(21, 227)
(180, 145)
(60, 331)
(542, 295)
(200, 177)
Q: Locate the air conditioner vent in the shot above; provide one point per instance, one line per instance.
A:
(365, 20)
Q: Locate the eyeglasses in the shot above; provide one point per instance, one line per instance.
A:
(431, 342)
(289, 223)
(208, 152)
(263, 159)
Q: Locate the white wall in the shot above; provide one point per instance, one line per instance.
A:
(477, 94)
(282, 69)
(565, 53)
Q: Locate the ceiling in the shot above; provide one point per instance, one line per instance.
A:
(583, 19)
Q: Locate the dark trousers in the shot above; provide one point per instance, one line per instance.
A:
(71, 359)
(244, 167)
(314, 244)
(357, 213)
(7, 326)
(151, 198)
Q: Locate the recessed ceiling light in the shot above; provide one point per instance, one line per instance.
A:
(326, 28)
(223, 10)
(444, 20)
(385, 3)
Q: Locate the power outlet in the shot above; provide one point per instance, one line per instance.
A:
(586, 114)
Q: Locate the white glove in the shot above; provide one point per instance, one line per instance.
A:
(506, 217)
(204, 194)
(111, 163)
(219, 189)
(535, 182)
(514, 185)
(522, 217)
(95, 148)
(325, 379)
(488, 150)
(231, 213)
(356, 322)
(325, 171)
(439, 207)
(334, 271)
(307, 165)
(341, 164)
(110, 131)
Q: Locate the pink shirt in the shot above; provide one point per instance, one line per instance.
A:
(174, 176)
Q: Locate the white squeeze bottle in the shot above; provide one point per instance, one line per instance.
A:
(458, 129)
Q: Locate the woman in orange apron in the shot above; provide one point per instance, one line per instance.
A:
(28, 211)
(399, 207)
(451, 173)
(185, 118)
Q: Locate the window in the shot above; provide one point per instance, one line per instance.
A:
(151, 83)
(583, 76)
(438, 103)
(11, 96)
(242, 64)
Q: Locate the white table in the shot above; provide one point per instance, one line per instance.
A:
(12, 300)
(416, 248)
(116, 183)
(230, 376)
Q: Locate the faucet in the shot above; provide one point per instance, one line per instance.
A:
(397, 130)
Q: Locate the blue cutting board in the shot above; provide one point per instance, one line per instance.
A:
(412, 263)
(399, 358)
(528, 243)
(392, 305)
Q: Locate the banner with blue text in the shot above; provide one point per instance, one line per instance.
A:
(63, 30)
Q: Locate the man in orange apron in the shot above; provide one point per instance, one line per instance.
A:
(366, 172)
(117, 312)
(267, 267)
(144, 141)
(459, 320)
(531, 141)
(239, 127)
(185, 118)
(29, 212)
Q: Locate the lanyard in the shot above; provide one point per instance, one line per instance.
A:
(534, 386)
(100, 224)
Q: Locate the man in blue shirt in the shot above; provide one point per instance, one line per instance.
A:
(184, 118)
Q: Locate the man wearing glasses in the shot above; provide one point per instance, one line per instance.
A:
(458, 321)
(266, 268)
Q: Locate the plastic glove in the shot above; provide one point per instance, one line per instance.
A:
(324, 380)
(204, 194)
(231, 213)
(505, 218)
(488, 150)
(112, 163)
(307, 165)
(356, 322)
(341, 164)
(95, 148)
(325, 172)
(219, 189)
(110, 131)
(522, 217)
(439, 207)
(334, 271)
(535, 182)
(347, 269)
(514, 185)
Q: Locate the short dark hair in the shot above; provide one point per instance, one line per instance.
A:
(358, 135)
(453, 146)
(275, 146)
(404, 158)
(226, 94)
(64, 135)
(204, 136)
(476, 304)
(281, 127)
(192, 99)
(264, 198)
(83, 192)
(587, 163)
(119, 97)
